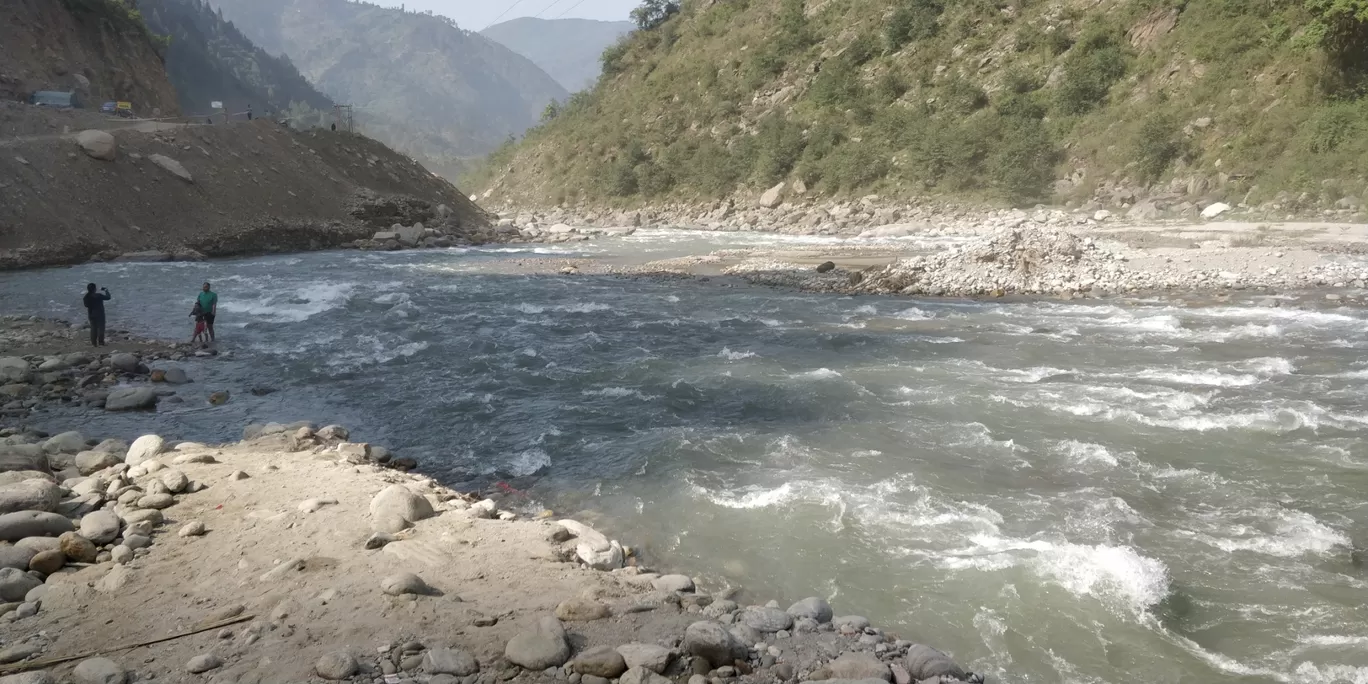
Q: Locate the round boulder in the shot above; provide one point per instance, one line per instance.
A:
(396, 508)
(97, 144)
(599, 661)
(78, 549)
(15, 584)
(336, 666)
(713, 643)
(539, 648)
(404, 583)
(814, 607)
(99, 671)
(144, 448)
(100, 527)
(47, 562)
(30, 495)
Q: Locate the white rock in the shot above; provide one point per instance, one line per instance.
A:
(99, 671)
(97, 144)
(203, 663)
(193, 528)
(144, 448)
(1214, 210)
(175, 481)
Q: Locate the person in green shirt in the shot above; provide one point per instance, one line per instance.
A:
(208, 302)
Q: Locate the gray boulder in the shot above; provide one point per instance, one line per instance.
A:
(814, 607)
(851, 623)
(117, 447)
(126, 363)
(65, 443)
(16, 526)
(30, 495)
(641, 675)
(100, 527)
(99, 671)
(404, 583)
(581, 610)
(713, 643)
(765, 619)
(15, 584)
(451, 661)
(97, 145)
(88, 462)
(599, 661)
(14, 369)
(176, 376)
(171, 166)
(144, 448)
(396, 508)
(682, 583)
(542, 647)
(16, 557)
(924, 662)
(650, 656)
(131, 399)
(336, 666)
(859, 666)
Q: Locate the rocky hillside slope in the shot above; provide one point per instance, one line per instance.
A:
(567, 49)
(209, 60)
(216, 190)
(1090, 102)
(419, 83)
(99, 48)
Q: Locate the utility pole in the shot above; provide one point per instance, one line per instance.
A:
(343, 115)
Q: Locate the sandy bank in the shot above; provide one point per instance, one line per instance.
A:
(331, 565)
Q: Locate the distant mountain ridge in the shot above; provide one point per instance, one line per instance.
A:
(418, 82)
(209, 60)
(567, 49)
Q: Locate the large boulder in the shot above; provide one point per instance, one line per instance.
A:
(100, 527)
(539, 648)
(97, 144)
(924, 662)
(30, 495)
(131, 399)
(88, 462)
(814, 607)
(16, 526)
(765, 619)
(859, 666)
(599, 661)
(144, 448)
(713, 643)
(124, 362)
(650, 656)
(66, 443)
(16, 584)
(99, 671)
(78, 548)
(772, 197)
(24, 458)
(396, 507)
(16, 557)
(171, 166)
(594, 549)
(450, 661)
(14, 369)
(336, 666)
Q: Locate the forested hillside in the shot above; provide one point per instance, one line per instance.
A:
(986, 100)
(418, 82)
(209, 60)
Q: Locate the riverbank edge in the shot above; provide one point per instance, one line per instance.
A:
(143, 487)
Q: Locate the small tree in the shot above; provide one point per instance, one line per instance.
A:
(553, 110)
(653, 13)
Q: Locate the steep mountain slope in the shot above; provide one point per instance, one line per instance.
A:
(567, 49)
(418, 82)
(99, 48)
(980, 100)
(210, 60)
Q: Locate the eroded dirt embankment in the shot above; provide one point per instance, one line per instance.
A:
(211, 190)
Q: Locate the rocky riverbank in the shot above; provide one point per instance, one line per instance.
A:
(294, 556)
(46, 363)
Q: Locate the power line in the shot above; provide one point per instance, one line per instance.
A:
(553, 4)
(572, 8)
(502, 14)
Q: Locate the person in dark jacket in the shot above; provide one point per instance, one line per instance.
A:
(94, 304)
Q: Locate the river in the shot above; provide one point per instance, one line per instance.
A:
(1053, 491)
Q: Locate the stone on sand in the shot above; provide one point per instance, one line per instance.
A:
(650, 656)
(924, 662)
(194, 528)
(17, 557)
(682, 583)
(766, 619)
(713, 643)
(541, 647)
(404, 583)
(77, 548)
(336, 666)
(30, 495)
(143, 448)
(15, 584)
(814, 607)
(47, 562)
(858, 666)
(641, 675)
(450, 661)
(88, 462)
(16, 526)
(203, 663)
(100, 527)
(599, 661)
(175, 481)
(396, 508)
(582, 610)
(99, 671)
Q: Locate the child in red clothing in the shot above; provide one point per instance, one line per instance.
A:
(201, 330)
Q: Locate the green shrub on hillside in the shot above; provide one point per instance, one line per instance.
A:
(1094, 64)
(1336, 125)
(1158, 143)
(652, 13)
(911, 20)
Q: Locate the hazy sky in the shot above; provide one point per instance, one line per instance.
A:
(476, 14)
